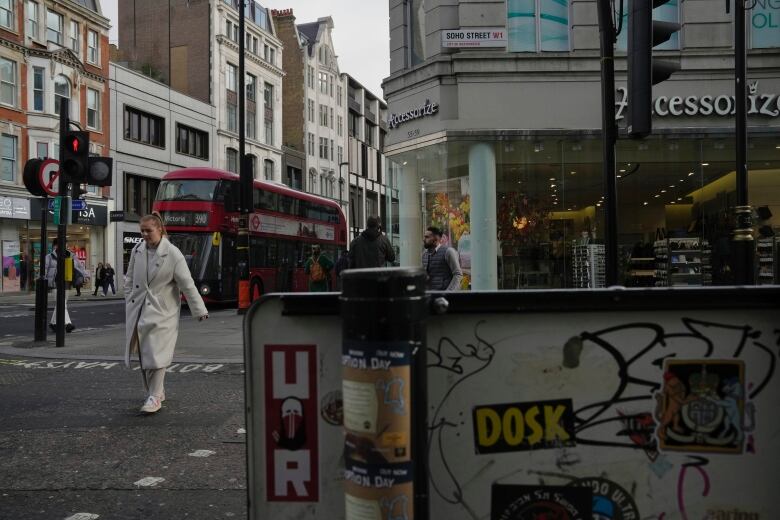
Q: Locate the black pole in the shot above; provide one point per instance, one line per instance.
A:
(245, 174)
(742, 239)
(384, 314)
(62, 229)
(41, 284)
(609, 133)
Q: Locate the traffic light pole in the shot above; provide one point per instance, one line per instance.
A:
(609, 134)
(245, 173)
(742, 239)
(62, 229)
(41, 284)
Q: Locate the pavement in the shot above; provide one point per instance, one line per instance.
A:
(218, 339)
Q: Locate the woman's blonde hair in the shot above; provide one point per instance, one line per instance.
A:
(155, 217)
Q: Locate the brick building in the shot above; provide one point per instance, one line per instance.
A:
(49, 50)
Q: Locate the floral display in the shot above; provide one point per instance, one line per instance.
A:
(453, 219)
(520, 218)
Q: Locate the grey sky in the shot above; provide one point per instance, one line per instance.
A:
(361, 33)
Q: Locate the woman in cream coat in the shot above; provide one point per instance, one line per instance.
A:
(156, 276)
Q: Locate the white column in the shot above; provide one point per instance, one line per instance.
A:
(484, 244)
(409, 213)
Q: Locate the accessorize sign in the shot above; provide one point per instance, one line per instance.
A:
(426, 109)
(722, 105)
(474, 38)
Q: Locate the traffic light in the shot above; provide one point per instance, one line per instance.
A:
(100, 169)
(75, 157)
(644, 71)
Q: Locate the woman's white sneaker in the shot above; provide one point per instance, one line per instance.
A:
(151, 405)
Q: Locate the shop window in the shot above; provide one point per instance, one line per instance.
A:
(61, 91)
(143, 127)
(192, 142)
(139, 195)
(764, 24)
(7, 82)
(537, 25)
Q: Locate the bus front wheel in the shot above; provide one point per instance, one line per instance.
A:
(255, 289)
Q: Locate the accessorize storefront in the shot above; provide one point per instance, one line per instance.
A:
(20, 229)
(510, 167)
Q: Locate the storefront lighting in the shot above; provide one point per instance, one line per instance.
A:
(691, 173)
(538, 147)
(644, 203)
(552, 185)
(598, 204)
(778, 146)
(622, 171)
(671, 185)
(705, 164)
(575, 173)
(673, 202)
(619, 176)
(656, 196)
(404, 163)
(679, 198)
(663, 191)
(552, 178)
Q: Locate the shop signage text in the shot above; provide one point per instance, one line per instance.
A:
(474, 38)
(12, 207)
(426, 109)
(722, 105)
(116, 216)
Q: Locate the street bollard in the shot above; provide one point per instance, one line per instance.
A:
(383, 314)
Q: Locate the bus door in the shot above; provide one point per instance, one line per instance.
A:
(285, 266)
(229, 264)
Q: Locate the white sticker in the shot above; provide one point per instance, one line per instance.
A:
(360, 406)
(83, 516)
(201, 453)
(361, 509)
(149, 481)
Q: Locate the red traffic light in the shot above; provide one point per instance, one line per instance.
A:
(75, 143)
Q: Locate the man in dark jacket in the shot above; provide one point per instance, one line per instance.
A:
(371, 248)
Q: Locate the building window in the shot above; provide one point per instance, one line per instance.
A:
(268, 95)
(144, 127)
(323, 115)
(7, 82)
(254, 45)
(353, 122)
(330, 84)
(310, 76)
(93, 53)
(340, 151)
(232, 98)
(332, 156)
(312, 180)
(32, 19)
(7, 13)
(339, 95)
(340, 125)
(8, 171)
(764, 23)
(537, 25)
(268, 169)
(251, 97)
(93, 108)
(269, 54)
(61, 91)
(669, 12)
(231, 160)
(323, 147)
(323, 81)
(369, 134)
(310, 105)
(311, 144)
(42, 150)
(191, 141)
(54, 27)
(75, 36)
(139, 195)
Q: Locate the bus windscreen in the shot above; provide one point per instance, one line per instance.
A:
(186, 189)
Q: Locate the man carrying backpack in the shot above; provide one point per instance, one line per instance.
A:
(371, 248)
(318, 268)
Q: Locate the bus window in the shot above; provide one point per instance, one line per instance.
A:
(288, 205)
(181, 189)
(266, 200)
(258, 250)
(230, 194)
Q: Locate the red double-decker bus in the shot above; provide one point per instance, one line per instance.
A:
(199, 207)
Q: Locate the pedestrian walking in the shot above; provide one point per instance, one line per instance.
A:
(108, 280)
(156, 276)
(371, 248)
(23, 272)
(79, 273)
(50, 268)
(100, 274)
(318, 267)
(342, 264)
(440, 262)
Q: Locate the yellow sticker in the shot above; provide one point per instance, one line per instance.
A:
(394, 439)
(216, 238)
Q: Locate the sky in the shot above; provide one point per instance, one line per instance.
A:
(361, 33)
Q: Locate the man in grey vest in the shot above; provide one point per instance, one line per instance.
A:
(440, 262)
